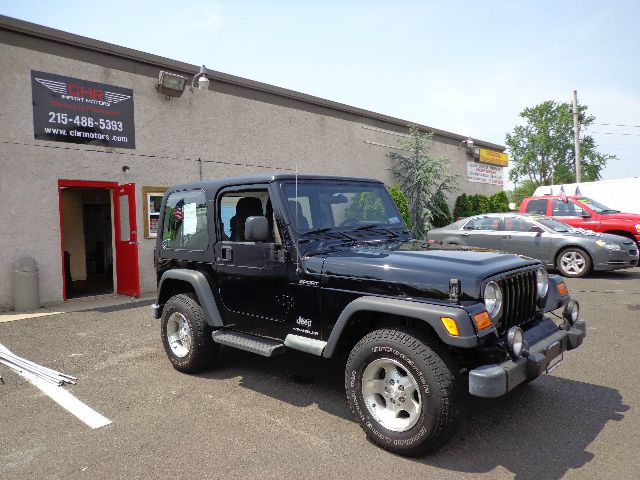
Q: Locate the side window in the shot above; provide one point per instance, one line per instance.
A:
(537, 206)
(483, 223)
(185, 221)
(236, 207)
(565, 209)
(516, 224)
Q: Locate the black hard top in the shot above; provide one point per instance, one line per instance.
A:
(218, 183)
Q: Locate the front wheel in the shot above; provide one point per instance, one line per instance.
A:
(186, 337)
(574, 262)
(403, 391)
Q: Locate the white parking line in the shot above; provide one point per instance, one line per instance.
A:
(63, 398)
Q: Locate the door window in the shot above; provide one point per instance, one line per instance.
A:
(566, 209)
(184, 226)
(537, 206)
(125, 228)
(517, 224)
(236, 207)
(483, 223)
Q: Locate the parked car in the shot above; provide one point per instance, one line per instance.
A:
(622, 194)
(583, 212)
(574, 252)
(326, 266)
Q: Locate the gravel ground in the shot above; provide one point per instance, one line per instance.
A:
(287, 418)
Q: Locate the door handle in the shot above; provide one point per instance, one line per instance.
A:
(134, 243)
(506, 236)
(226, 254)
(466, 234)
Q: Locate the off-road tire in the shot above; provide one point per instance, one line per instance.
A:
(433, 370)
(203, 349)
(581, 253)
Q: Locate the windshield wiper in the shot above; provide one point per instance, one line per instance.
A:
(327, 230)
(610, 210)
(371, 226)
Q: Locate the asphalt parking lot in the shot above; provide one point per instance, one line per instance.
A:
(287, 418)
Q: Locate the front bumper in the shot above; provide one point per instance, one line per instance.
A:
(491, 381)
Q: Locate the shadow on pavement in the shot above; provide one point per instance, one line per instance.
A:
(540, 430)
(627, 274)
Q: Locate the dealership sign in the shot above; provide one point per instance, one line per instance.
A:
(67, 109)
(481, 173)
(493, 157)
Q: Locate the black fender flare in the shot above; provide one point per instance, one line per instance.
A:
(203, 291)
(427, 312)
(554, 299)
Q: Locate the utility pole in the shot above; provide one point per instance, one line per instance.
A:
(576, 136)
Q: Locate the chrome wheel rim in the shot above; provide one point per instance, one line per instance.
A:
(573, 263)
(179, 334)
(391, 394)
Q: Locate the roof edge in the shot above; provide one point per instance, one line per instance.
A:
(60, 36)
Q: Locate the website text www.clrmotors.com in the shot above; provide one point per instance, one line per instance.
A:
(91, 135)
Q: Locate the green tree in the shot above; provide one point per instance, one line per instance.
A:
(499, 202)
(401, 202)
(461, 207)
(522, 191)
(542, 150)
(442, 216)
(422, 177)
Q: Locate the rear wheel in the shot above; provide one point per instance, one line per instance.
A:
(574, 262)
(403, 391)
(186, 337)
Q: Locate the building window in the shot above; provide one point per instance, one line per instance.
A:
(184, 226)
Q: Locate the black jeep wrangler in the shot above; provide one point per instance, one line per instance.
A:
(325, 265)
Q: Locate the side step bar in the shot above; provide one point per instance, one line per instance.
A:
(250, 343)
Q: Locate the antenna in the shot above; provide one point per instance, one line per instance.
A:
(295, 223)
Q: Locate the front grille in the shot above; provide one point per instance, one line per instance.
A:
(519, 297)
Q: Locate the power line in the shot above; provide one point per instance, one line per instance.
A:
(616, 125)
(618, 133)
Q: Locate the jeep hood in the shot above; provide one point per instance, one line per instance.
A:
(415, 269)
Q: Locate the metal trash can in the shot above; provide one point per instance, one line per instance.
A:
(26, 285)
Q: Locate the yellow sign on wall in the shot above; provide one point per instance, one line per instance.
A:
(494, 158)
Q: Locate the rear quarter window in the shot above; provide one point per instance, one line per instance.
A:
(537, 206)
(184, 225)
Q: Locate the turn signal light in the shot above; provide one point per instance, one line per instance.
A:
(483, 320)
(450, 325)
(562, 288)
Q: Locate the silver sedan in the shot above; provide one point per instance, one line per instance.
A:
(574, 252)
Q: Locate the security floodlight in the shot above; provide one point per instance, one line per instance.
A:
(171, 84)
(203, 83)
(469, 144)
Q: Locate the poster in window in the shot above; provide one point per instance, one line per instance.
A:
(152, 200)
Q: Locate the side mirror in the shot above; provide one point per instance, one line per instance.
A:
(256, 229)
(537, 230)
(585, 214)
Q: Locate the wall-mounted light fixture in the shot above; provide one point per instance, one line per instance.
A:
(470, 146)
(125, 169)
(201, 76)
(171, 84)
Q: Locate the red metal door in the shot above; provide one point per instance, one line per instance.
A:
(124, 207)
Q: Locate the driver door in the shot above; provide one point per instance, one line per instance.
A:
(250, 276)
(518, 237)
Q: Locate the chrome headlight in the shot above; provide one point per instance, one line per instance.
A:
(572, 311)
(492, 299)
(517, 343)
(542, 282)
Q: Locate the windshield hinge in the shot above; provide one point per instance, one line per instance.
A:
(455, 288)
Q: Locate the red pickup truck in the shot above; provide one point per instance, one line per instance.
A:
(583, 212)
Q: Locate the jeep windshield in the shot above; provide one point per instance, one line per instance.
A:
(316, 208)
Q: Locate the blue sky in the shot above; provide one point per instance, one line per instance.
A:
(463, 66)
